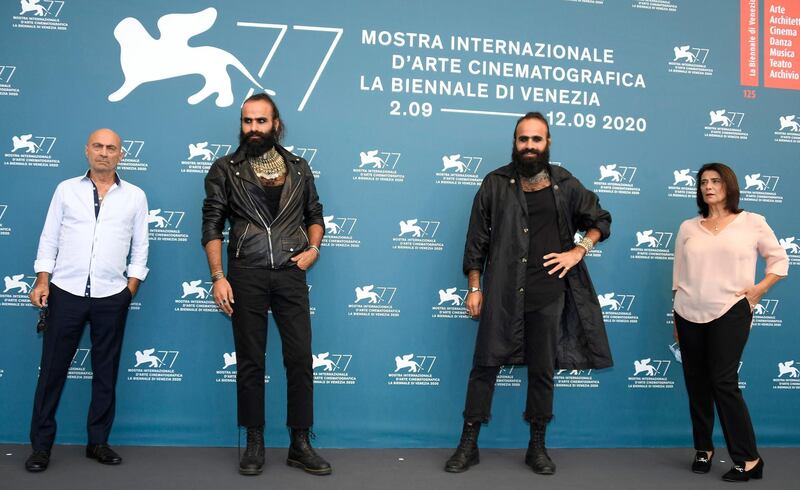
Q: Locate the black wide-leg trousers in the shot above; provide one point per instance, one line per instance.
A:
(710, 354)
(285, 292)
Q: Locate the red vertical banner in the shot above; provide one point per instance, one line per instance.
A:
(748, 43)
(782, 44)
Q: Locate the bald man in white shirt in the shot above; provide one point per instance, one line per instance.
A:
(94, 224)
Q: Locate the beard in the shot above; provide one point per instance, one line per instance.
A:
(256, 143)
(530, 162)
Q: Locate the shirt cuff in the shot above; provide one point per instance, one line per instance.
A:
(314, 221)
(44, 265)
(780, 269)
(137, 271)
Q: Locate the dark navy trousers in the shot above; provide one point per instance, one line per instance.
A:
(68, 315)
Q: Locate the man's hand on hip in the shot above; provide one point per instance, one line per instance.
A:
(564, 261)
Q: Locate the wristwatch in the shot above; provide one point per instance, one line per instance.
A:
(474, 290)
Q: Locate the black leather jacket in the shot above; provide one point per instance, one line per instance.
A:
(258, 239)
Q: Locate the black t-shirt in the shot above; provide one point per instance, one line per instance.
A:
(273, 198)
(270, 198)
(542, 288)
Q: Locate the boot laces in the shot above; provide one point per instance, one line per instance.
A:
(469, 436)
(303, 437)
(253, 436)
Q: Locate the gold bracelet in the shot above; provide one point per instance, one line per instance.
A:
(586, 243)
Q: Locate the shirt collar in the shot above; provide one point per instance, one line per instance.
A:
(117, 180)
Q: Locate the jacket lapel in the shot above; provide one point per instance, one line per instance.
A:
(292, 178)
(512, 179)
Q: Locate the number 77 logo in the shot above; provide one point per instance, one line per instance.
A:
(282, 28)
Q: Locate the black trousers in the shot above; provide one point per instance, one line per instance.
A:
(541, 335)
(285, 291)
(710, 353)
(65, 324)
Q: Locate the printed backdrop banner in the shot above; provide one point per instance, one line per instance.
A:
(401, 109)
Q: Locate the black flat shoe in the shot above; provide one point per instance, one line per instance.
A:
(702, 462)
(38, 461)
(738, 473)
(103, 454)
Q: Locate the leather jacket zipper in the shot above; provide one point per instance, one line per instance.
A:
(288, 201)
(241, 240)
(269, 232)
(308, 242)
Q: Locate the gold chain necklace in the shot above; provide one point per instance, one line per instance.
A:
(269, 166)
(717, 222)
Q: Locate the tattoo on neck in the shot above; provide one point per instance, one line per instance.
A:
(535, 183)
(542, 176)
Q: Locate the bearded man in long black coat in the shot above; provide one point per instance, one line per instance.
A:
(537, 305)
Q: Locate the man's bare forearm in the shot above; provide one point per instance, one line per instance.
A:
(594, 235)
(214, 255)
(315, 233)
(42, 277)
(474, 278)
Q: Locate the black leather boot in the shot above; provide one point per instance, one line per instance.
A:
(252, 462)
(537, 457)
(467, 453)
(303, 456)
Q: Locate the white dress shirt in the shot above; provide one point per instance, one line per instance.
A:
(76, 246)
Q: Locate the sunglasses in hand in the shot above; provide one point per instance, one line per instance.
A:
(41, 326)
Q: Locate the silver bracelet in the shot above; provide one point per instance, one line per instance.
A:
(313, 247)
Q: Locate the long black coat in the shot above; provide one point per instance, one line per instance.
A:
(497, 241)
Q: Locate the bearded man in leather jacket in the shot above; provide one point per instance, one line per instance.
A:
(537, 306)
(276, 227)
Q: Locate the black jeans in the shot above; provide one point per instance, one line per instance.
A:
(541, 335)
(285, 292)
(710, 353)
(65, 325)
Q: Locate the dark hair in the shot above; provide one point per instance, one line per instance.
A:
(729, 183)
(276, 115)
(533, 115)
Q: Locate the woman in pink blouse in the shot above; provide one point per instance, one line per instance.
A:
(715, 292)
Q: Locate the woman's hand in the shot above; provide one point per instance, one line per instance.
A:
(753, 294)
(675, 329)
